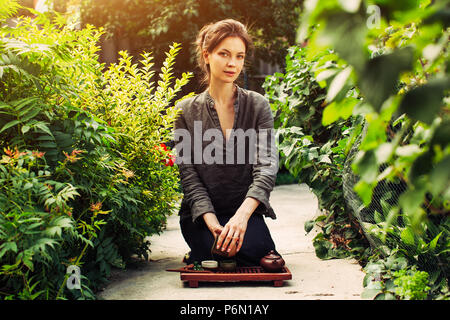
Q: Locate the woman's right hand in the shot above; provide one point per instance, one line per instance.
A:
(212, 223)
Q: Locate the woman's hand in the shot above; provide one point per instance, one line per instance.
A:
(232, 236)
(212, 223)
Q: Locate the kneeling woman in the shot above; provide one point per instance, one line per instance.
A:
(224, 197)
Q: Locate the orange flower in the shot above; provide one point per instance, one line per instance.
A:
(8, 152)
(16, 154)
(38, 154)
(73, 156)
(96, 206)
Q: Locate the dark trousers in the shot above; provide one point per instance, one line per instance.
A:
(257, 240)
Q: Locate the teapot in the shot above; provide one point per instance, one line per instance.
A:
(272, 262)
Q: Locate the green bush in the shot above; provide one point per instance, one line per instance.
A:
(315, 153)
(140, 111)
(411, 284)
(85, 189)
(391, 68)
(392, 278)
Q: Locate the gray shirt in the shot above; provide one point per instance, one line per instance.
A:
(221, 186)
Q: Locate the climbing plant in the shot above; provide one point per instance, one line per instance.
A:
(315, 153)
(384, 68)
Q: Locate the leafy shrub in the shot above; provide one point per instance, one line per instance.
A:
(396, 76)
(140, 111)
(315, 153)
(43, 188)
(379, 279)
(411, 284)
(35, 213)
(85, 192)
(392, 278)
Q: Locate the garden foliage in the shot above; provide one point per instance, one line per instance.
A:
(381, 77)
(83, 177)
(154, 25)
(315, 153)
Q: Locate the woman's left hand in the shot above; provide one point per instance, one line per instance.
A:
(232, 236)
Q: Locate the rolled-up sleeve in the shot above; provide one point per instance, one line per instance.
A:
(266, 167)
(195, 193)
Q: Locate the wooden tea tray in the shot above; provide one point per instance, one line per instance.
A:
(240, 274)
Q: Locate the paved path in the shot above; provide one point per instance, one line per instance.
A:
(312, 278)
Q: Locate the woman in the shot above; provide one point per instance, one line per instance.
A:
(225, 199)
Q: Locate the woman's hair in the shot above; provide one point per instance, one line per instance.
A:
(212, 34)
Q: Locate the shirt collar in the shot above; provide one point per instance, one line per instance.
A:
(210, 100)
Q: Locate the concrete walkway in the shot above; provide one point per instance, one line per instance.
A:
(312, 278)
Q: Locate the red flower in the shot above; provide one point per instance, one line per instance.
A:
(161, 145)
(170, 162)
(167, 162)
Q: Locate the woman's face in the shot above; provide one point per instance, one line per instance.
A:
(226, 60)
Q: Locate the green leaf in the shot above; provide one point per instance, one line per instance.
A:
(345, 33)
(433, 243)
(410, 150)
(8, 246)
(31, 114)
(424, 103)
(440, 176)
(19, 104)
(338, 83)
(407, 236)
(25, 129)
(421, 166)
(378, 217)
(370, 293)
(372, 290)
(412, 199)
(322, 249)
(441, 135)
(324, 75)
(364, 191)
(378, 80)
(384, 152)
(57, 225)
(336, 110)
(9, 125)
(309, 225)
(365, 164)
(43, 126)
(48, 145)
